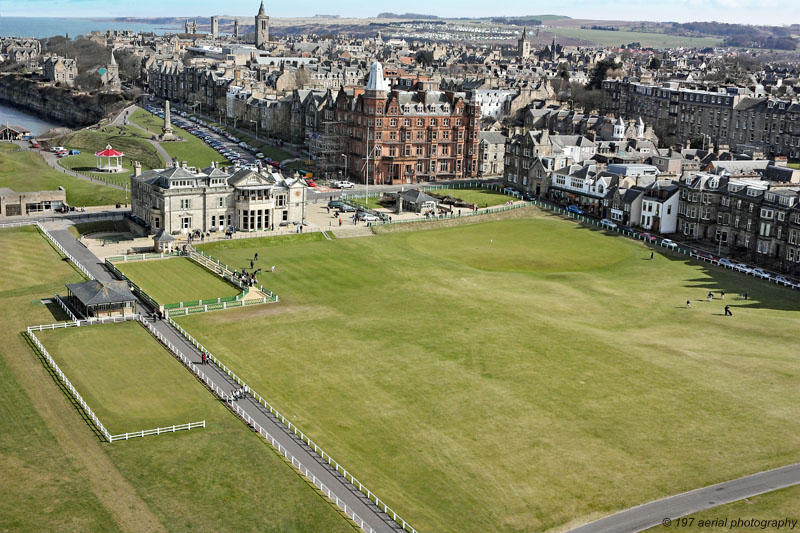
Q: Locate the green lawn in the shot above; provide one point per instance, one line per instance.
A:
(517, 375)
(371, 203)
(128, 379)
(482, 197)
(770, 506)
(176, 280)
(57, 475)
(27, 171)
(192, 150)
(618, 38)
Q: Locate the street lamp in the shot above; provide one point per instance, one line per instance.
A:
(256, 123)
(345, 165)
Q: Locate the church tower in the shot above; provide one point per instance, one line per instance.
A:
(262, 28)
(236, 29)
(523, 45)
(215, 27)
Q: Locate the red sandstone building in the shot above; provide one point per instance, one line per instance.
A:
(421, 135)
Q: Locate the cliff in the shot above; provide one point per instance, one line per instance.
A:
(57, 104)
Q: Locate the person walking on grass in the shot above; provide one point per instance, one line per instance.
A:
(651, 256)
(728, 310)
(273, 269)
(688, 304)
(255, 258)
(251, 265)
(721, 295)
(710, 296)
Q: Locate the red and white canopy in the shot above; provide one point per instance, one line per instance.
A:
(109, 152)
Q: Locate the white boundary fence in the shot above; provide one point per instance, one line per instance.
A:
(66, 380)
(311, 444)
(52, 240)
(157, 431)
(249, 420)
(109, 437)
(66, 308)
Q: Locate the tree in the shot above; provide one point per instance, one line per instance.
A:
(130, 66)
(88, 81)
(600, 70)
(563, 71)
(655, 63)
(424, 57)
(585, 98)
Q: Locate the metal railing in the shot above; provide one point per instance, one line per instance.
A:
(286, 422)
(157, 431)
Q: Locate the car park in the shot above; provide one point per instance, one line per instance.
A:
(669, 243)
(608, 223)
(335, 204)
(784, 281)
(347, 208)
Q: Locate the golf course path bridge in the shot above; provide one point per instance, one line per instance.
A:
(368, 515)
(667, 509)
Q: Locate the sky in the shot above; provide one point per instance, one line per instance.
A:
(776, 12)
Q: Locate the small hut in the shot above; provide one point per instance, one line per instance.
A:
(100, 299)
(163, 241)
(109, 160)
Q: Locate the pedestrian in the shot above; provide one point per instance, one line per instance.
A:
(721, 295)
(340, 222)
(459, 212)
(710, 296)
(256, 257)
(273, 268)
(390, 219)
(688, 304)
(728, 310)
(651, 256)
(745, 295)
(251, 265)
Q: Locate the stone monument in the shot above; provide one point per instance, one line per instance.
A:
(166, 133)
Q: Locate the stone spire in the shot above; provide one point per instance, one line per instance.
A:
(261, 11)
(113, 61)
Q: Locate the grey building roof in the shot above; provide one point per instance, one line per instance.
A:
(163, 236)
(492, 137)
(416, 197)
(101, 292)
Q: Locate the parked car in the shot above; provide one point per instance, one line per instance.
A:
(761, 273)
(784, 281)
(528, 197)
(648, 237)
(344, 184)
(608, 223)
(259, 155)
(57, 149)
(310, 182)
(335, 204)
(707, 256)
(347, 208)
(669, 243)
(575, 209)
(74, 152)
(741, 267)
(724, 261)
(367, 217)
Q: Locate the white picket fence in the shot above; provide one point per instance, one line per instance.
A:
(63, 251)
(286, 422)
(252, 423)
(66, 380)
(76, 394)
(66, 308)
(157, 431)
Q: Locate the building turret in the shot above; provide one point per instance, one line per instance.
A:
(262, 28)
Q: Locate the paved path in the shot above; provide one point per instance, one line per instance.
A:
(120, 121)
(653, 513)
(344, 490)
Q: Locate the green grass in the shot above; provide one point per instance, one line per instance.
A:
(191, 149)
(482, 197)
(27, 171)
(371, 203)
(770, 506)
(57, 475)
(128, 379)
(176, 280)
(517, 375)
(618, 38)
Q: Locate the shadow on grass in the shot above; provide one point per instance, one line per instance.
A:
(63, 388)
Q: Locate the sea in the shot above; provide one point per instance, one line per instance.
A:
(17, 117)
(39, 27)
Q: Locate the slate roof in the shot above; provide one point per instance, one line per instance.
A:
(101, 292)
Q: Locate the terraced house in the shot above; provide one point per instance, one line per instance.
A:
(182, 199)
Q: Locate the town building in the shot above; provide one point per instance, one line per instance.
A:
(60, 70)
(181, 199)
(262, 28)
